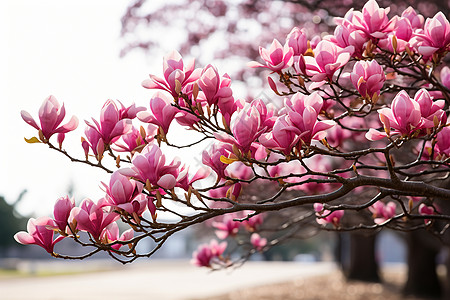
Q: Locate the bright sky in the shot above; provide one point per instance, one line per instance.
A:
(69, 49)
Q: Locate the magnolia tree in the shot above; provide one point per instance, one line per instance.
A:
(355, 138)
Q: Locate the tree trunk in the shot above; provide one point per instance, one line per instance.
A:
(362, 263)
(422, 280)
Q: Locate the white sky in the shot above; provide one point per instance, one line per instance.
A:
(69, 49)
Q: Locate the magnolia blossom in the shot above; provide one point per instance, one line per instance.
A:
(92, 218)
(51, 114)
(425, 210)
(177, 75)
(407, 116)
(252, 223)
(206, 255)
(40, 233)
(111, 234)
(445, 76)
(94, 142)
(298, 41)
(227, 227)
(283, 137)
(303, 111)
(345, 36)
(214, 87)
(246, 128)
(435, 36)
(383, 212)
(328, 58)
(443, 142)
(325, 216)
(61, 211)
(258, 242)
(415, 19)
(111, 127)
(368, 78)
(150, 165)
(211, 158)
(276, 58)
(134, 141)
(162, 112)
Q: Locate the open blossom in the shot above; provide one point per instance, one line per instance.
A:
(435, 36)
(208, 254)
(246, 128)
(214, 87)
(133, 141)
(283, 137)
(407, 116)
(303, 111)
(111, 234)
(151, 165)
(345, 36)
(92, 217)
(415, 19)
(368, 78)
(39, 233)
(383, 212)
(121, 190)
(276, 58)
(325, 216)
(162, 112)
(111, 127)
(227, 227)
(61, 211)
(51, 114)
(211, 158)
(177, 75)
(258, 242)
(328, 58)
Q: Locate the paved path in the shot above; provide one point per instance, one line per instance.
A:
(159, 280)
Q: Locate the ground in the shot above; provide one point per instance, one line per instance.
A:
(325, 287)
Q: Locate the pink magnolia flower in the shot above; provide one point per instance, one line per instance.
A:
(92, 218)
(429, 109)
(111, 234)
(228, 106)
(94, 142)
(445, 76)
(151, 165)
(402, 33)
(211, 158)
(257, 242)
(183, 180)
(276, 58)
(227, 227)
(443, 142)
(61, 211)
(51, 114)
(383, 212)
(283, 137)
(298, 41)
(328, 58)
(133, 141)
(368, 78)
(176, 75)
(415, 19)
(207, 255)
(404, 117)
(111, 127)
(129, 112)
(425, 210)
(266, 114)
(253, 222)
(303, 111)
(325, 216)
(214, 87)
(162, 112)
(246, 128)
(435, 36)
(121, 192)
(345, 36)
(40, 233)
